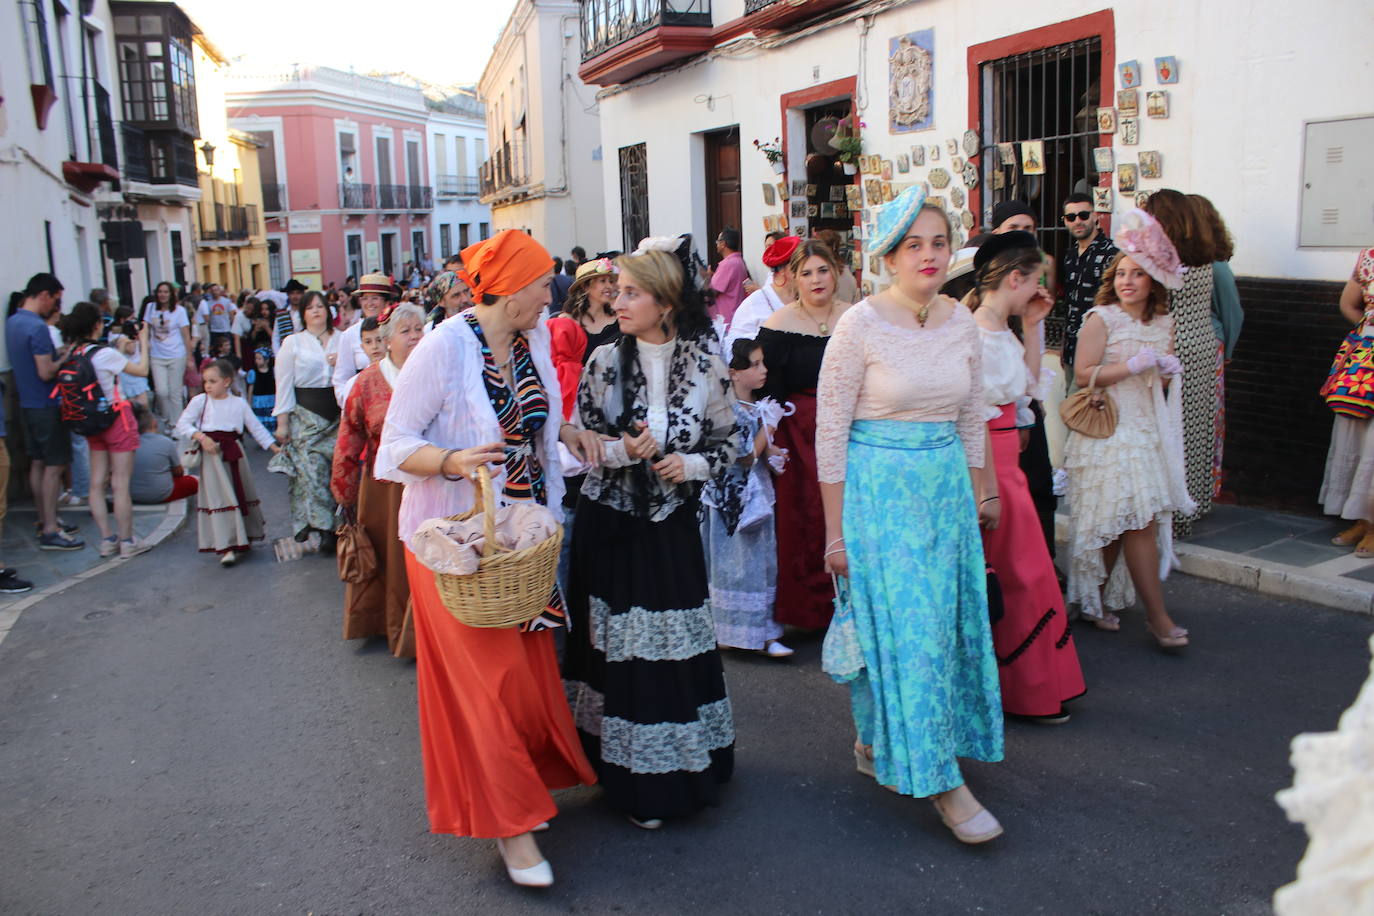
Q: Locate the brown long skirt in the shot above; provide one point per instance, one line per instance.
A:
(381, 605)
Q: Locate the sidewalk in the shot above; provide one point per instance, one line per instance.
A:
(54, 571)
(1275, 553)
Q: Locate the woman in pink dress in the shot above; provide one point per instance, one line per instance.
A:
(1037, 662)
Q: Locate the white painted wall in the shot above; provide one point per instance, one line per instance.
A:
(1250, 74)
(454, 211)
(534, 69)
(31, 183)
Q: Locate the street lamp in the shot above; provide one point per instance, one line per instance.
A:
(207, 149)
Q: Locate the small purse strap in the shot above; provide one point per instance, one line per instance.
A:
(1092, 380)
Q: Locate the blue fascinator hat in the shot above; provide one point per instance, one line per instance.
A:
(893, 219)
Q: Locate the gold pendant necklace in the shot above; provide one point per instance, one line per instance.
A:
(822, 326)
(906, 302)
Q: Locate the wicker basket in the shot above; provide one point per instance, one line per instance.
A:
(510, 587)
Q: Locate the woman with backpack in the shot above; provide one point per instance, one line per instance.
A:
(106, 419)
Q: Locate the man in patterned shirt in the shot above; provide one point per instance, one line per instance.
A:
(1081, 269)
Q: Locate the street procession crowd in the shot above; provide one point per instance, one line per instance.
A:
(723, 460)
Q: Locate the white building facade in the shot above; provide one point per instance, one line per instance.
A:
(457, 130)
(544, 173)
(1246, 108)
(58, 142)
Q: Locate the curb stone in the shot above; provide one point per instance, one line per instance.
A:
(173, 518)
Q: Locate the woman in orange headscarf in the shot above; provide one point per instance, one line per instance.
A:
(496, 734)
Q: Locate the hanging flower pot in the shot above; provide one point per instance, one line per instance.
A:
(778, 167)
(850, 168)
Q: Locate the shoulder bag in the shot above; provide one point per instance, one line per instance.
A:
(1089, 411)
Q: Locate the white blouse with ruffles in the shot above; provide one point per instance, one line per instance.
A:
(1006, 380)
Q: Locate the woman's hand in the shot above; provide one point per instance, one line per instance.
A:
(990, 512)
(640, 446)
(836, 558)
(274, 448)
(672, 468)
(1038, 308)
(465, 462)
(585, 444)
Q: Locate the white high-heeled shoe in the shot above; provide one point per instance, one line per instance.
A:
(539, 875)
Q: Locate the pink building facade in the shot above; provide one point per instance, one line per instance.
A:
(344, 164)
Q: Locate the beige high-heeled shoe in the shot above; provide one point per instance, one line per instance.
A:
(1352, 535)
(980, 828)
(1177, 638)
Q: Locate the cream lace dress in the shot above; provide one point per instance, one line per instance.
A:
(1131, 478)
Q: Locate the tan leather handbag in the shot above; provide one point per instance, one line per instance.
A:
(1089, 411)
(355, 553)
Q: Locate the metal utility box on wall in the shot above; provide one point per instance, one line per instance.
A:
(1337, 204)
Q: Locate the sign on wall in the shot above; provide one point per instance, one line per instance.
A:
(374, 257)
(307, 222)
(305, 260)
(911, 82)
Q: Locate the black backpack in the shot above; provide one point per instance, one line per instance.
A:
(84, 408)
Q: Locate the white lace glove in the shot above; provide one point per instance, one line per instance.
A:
(1169, 366)
(1144, 360)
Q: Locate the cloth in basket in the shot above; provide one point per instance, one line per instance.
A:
(454, 547)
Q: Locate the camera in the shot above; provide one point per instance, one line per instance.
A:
(131, 328)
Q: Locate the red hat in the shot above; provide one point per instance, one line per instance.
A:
(776, 254)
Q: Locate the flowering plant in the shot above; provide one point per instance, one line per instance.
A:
(773, 149)
(847, 141)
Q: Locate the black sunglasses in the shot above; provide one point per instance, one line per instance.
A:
(1081, 214)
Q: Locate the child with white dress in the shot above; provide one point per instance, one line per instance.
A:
(737, 519)
(228, 510)
(1125, 489)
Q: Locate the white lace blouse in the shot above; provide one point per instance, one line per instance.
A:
(874, 370)
(301, 363)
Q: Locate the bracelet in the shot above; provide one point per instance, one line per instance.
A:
(833, 543)
(444, 460)
(989, 499)
(830, 552)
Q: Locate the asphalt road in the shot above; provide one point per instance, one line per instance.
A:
(179, 738)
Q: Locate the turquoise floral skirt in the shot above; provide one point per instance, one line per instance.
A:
(927, 691)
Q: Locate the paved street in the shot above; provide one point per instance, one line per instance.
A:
(178, 738)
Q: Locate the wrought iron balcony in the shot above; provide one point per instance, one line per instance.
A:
(753, 6)
(227, 222)
(508, 167)
(456, 186)
(354, 196)
(274, 198)
(421, 197)
(391, 197)
(607, 23)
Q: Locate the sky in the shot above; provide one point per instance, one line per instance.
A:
(441, 43)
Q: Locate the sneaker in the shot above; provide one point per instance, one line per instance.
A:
(775, 649)
(59, 540)
(61, 526)
(10, 584)
(108, 547)
(133, 548)
(228, 558)
(71, 500)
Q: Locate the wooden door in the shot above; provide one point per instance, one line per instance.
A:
(723, 203)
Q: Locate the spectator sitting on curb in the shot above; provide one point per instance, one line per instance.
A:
(158, 476)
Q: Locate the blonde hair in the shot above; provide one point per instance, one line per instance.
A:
(813, 249)
(659, 272)
(992, 274)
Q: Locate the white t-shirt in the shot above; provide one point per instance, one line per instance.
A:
(218, 313)
(165, 330)
(108, 363)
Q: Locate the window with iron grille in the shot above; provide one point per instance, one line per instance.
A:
(634, 195)
(1051, 95)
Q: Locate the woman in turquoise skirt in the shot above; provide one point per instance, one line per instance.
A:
(900, 443)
